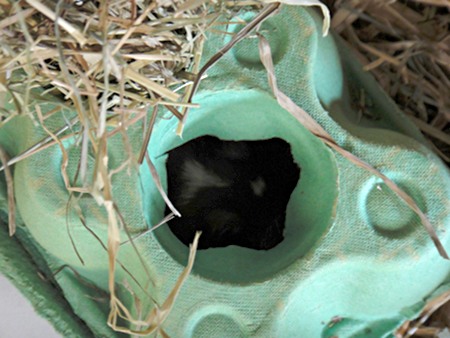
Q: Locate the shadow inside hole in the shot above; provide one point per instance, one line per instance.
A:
(235, 192)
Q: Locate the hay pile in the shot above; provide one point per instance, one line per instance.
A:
(406, 46)
(104, 58)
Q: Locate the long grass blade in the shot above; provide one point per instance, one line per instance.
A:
(305, 119)
(9, 192)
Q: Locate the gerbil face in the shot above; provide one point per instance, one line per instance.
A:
(234, 192)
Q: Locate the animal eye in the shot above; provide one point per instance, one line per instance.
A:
(258, 186)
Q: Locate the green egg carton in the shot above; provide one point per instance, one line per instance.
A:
(355, 260)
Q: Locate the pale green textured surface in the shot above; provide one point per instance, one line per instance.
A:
(352, 249)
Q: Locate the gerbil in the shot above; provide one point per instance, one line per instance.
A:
(235, 192)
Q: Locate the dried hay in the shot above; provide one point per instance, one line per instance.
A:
(406, 46)
(434, 317)
(10, 192)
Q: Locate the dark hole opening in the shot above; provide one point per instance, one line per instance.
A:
(235, 192)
